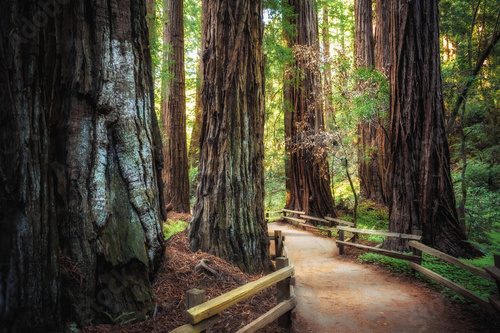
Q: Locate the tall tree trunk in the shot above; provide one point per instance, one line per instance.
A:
(422, 191)
(327, 81)
(363, 45)
(194, 144)
(228, 219)
(307, 172)
(381, 155)
(382, 50)
(173, 109)
(151, 21)
(81, 152)
(370, 170)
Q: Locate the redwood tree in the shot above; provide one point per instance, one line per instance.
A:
(370, 146)
(382, 51)
(173, 109)
(80, 159)
(422, 191)
(307, 172)
(381, 176)
(228, 219)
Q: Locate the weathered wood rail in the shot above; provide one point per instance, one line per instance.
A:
(300, 219)
(415, 259)
(490, 273)
(341, 242)
(415, 262)
(201, 314)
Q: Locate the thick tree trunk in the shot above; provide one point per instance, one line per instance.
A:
(228, 219)
(81, 152)
(422, 191)
(307, 172)
(173, 109)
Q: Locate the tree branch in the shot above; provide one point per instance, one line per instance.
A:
(463, 93)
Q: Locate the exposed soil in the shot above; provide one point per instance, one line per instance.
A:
(336, 294)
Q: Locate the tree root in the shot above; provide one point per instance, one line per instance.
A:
(203, 265)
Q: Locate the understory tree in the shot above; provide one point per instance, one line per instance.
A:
(422, 190)
(306, 166)
(228, 219)
(81, 160)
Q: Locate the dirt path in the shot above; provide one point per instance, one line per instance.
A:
(338, 295)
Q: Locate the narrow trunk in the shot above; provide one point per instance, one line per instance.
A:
(194, 144)
(173, 108)
(463, 180)
(151, 21)
(228, 219)
(327, 81)
(80, 150)
(307, 171)
(422, 191)
(382, 50)
(363, 45)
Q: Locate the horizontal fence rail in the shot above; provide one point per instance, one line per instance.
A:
(414, 259)
(449, 259)
(202, 314)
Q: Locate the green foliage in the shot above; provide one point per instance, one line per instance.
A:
(392, 264)
(370, 216)
(173, 227)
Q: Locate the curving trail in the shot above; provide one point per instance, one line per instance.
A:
(337, 295)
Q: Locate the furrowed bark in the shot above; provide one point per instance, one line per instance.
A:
(370, 132)
(81, 157)
(422, 191)
(228, 219)
(175, 173)
(307, 174)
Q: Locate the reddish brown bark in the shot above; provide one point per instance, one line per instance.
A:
(372, 136)
(228, 219)
(194, 144)
(307, 172)
(382, 50)
(422, 191)
(176, 170)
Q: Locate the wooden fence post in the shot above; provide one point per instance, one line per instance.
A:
(278, 243)
(283, 288)
(417, 252)
(341, 238)
(195, 297)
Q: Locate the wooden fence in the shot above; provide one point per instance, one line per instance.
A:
(415, 259)
(201, 314)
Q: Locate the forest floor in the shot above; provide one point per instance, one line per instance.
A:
(181, 271)
(338, 294)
